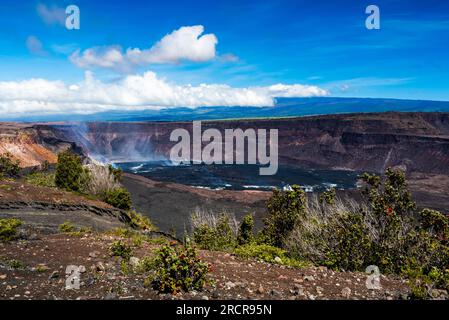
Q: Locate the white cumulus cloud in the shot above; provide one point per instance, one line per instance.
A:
(185, 44)
(133, 92)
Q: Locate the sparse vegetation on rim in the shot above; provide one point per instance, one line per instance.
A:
(41, 179)
(384, 229)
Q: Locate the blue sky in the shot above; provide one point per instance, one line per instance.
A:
(322, 44)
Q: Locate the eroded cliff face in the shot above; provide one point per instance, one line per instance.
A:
(32, 144)
(419, 142)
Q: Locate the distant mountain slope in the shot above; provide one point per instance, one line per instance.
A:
(285, 107)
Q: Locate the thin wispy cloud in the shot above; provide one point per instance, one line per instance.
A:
(35, 46)
(64, 49)
(347, 84)
(51, 14)
(229, 57)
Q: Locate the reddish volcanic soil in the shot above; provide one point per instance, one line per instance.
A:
(43, 263)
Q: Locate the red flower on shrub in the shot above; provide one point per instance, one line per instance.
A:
(389, 211)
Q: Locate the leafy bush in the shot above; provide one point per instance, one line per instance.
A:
(390, 197)
(245, 234)
(436, 223)
(268, 254)
(392, 213)
(426, 259)
(178, 269)
(70, 174)
(42, 179)
(118, 198)
(284, 209)
(8, 229)
(121, 249)
(8, 166)
(348, 243)
(384, 230)
(218, 235)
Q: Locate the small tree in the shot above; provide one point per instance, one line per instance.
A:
(245, 234)
(70, 174)
(390, 197)
(284, 208)
(9, 167)
(392, 204)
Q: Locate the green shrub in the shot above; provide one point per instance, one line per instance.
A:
(349, 246)
(384, 229)
(421, 283)
(140, 222)
(392, 209)
(116, 172)
(268, 254)
(118, 198)
(425, 257)
(390, 197)
(9, 167)
(41, 179)
(12, 263)
(328, 196)
(70, 174)
(8, 229)
(216, 237)
(177, 269)
(121, 249)
(15, 264)
(435, 223)
(125, 267)
(245, 234)
(67, 227)
(284, 209)
(123, 232)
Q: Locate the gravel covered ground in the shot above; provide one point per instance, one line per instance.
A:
(36, 269)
